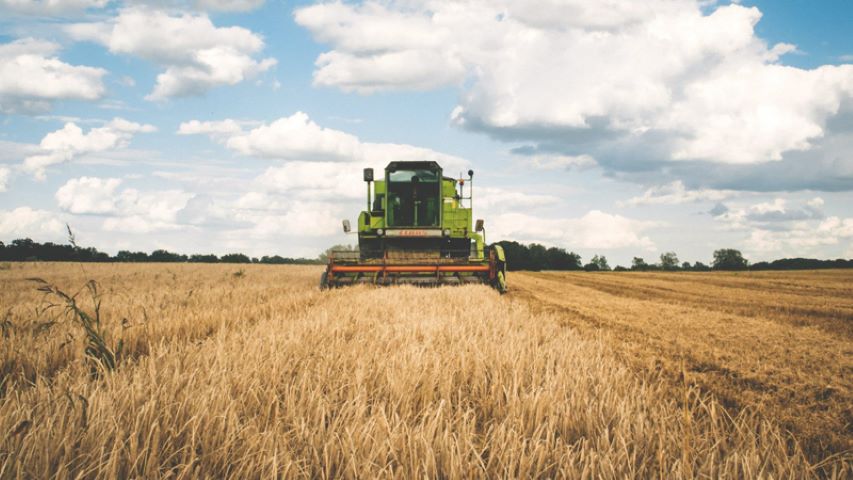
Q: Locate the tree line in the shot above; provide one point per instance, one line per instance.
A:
(28, 250)
(519, 256)
(537, 257)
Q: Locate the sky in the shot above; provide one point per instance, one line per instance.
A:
(613, 127)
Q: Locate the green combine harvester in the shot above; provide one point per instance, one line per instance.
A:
(417, 231)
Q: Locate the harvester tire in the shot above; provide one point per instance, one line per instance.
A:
(500, 282)
(324, 281)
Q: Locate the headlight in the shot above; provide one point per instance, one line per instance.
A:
(380, 232)
(446, 232)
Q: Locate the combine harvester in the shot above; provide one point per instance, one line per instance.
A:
(417, 231)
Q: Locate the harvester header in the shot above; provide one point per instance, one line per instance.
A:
(417, 229)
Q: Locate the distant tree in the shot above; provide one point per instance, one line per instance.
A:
(729, 259)
(25, 249)
(538, 257)
(128, 256)
(275, 259)
(235, 258)
(199, 258)
(701, 267)
(620, 268)
(591, 267)
(639, 264)
(166, 256)
(90, 254)
(669, 261)
(601, 262)
(801, 264)
(559, 259)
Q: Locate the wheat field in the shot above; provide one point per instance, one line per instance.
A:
(252, 372)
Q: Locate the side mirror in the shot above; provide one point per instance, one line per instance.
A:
(479, 225)
(347, 227)
(368, 174)
(470, 173)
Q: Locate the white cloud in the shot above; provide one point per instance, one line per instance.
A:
(381, 49)
(676, 193)
(229, 5)
(31, 76)
(196, 54)
(28, 222)
(49, 7)
(779, 229)
(803, 238)
(766, 213)
(595, 230)
(88, 195)
(5, 173)
(223, 128)
(69, 142)
(127, 210)
(287, 217)
(701, 87)
(298, 138)
(314, 180)
(816, 202)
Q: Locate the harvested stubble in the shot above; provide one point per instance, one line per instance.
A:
(780, 343)
(262, 375)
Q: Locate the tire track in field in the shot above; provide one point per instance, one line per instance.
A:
(799, 376)
(798, 307)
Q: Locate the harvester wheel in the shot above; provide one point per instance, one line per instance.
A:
(324, 281)
(500, 282)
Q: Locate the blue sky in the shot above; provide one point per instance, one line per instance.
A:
(619, 128)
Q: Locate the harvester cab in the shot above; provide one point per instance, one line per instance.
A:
(417, 229)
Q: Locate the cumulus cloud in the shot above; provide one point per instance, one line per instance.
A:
(676, 193)
(270, 216)
(298, 138)
(70, 142)
(49, 7)
(224, 128)
(778, 228)
(628, 83)
(31, 77)
(777, 211)
(32, 223)
(196, 54)
(126, 210)
(763, 214)
(594, 230)
(88, 195)
(381, 48)
(229, 5)
(314, 180)
(265, 211)
(803, 238)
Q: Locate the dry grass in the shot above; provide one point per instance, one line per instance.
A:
(262, 375)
